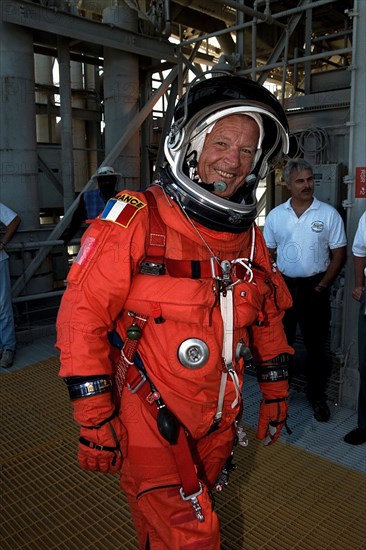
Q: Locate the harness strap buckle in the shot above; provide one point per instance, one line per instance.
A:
(215, 273)
(194, 501)
(133, 388)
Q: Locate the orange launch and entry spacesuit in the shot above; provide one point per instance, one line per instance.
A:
(189, 304)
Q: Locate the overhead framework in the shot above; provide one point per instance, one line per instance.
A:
(121, 65)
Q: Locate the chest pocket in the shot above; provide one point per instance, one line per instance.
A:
(174, 299)
(172, 294)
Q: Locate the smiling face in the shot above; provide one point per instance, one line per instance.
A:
(228, 152)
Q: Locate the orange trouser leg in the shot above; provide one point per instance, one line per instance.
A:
(169, 523)
(149, 477)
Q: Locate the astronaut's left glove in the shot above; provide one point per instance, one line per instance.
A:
(273, 380)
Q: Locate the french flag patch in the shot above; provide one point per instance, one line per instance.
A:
(122, 210)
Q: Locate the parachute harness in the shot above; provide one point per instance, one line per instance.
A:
(224, 286)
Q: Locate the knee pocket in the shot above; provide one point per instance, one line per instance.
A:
(174, 521)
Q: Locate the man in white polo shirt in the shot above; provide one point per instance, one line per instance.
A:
(9, 220)
(307, 237)
(358, 435)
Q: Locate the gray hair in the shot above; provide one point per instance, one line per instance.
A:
(295, 165)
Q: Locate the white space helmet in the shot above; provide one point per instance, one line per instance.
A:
(195, 114)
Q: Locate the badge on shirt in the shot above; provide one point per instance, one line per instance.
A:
(317, 226)
(122, 210)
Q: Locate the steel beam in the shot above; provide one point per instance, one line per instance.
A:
(50, 175)
(36, 16)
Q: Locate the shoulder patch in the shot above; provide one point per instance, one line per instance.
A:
(87, 251)
(122, 209)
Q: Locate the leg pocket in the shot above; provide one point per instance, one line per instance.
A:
(172, 521)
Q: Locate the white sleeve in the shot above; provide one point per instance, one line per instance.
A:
(268, 233)
(359, 242)
(337, 237)
(6, 214)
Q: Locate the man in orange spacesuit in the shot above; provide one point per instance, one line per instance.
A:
(179, 278)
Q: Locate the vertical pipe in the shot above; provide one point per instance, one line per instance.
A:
(43, 74)
(67, 161)
(355, 206)
(93, 130)
(147, 131)
(121, 95)
(78, 127)
(285, 60)
(254, 46)
(18, 144)
(18, 147)
(240, 35)
(307, 68)
(296, 71)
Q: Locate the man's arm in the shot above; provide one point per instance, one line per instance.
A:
(339, 256)
(272, 253)
(359, 264)
(9, 232)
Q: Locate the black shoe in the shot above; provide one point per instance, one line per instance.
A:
(356, 437)
(321, 411)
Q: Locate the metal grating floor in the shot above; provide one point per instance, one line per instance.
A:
(322, 439)
(284, 497)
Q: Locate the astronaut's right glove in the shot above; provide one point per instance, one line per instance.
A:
(273, 380)
(101, 432)
(100, 450)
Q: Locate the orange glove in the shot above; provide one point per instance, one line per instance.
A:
(101, 434)
(273, 410)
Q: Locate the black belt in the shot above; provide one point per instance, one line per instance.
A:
(316, 277)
